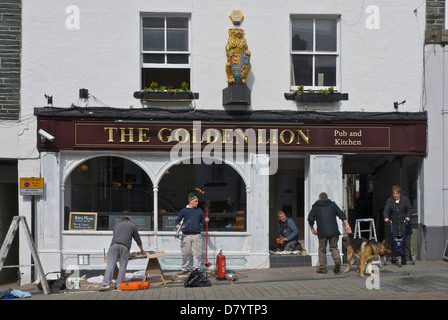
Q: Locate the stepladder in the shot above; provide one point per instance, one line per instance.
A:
(359, 224)
(4, 250)
(371, 229)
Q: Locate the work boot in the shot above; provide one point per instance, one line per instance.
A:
(337, 267)
(322, 270)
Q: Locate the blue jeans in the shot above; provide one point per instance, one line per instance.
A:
(116, 252)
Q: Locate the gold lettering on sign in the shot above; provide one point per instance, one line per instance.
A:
(305, 138)
(212, 135)
(162, 138)
(111, 133)
(227, 136)
(142, 135)
(182, 133)
(240, 135)
(262, 137)
(291, 136)
(125, 134)
(194, 136)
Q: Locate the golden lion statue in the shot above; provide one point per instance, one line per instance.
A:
(238, 57)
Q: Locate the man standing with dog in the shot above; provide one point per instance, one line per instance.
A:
(324, 212)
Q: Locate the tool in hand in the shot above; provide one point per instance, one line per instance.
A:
(207, 263)
(179, 227)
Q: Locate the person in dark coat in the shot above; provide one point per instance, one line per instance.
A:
(324, 212)
(398, 211)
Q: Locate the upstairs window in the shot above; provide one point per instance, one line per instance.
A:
(165, 52)
(314, 53)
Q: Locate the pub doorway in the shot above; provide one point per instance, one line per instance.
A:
(287, 194)
(368, 181)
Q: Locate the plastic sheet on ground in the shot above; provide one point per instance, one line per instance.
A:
(137, 275)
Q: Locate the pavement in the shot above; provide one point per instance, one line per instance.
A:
(426, 280)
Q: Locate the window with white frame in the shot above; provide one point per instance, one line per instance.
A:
(314, 52)
(165, 50)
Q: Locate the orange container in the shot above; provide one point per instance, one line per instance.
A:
(134, 286)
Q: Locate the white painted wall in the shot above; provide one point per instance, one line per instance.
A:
(324, 174)
(433, 164)
(435, 167)
(378, 66)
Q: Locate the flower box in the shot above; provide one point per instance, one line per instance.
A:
(166, 96)
(317, 97)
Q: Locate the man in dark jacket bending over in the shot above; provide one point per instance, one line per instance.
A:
(324, 212)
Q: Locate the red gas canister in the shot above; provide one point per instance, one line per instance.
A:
(221, 265)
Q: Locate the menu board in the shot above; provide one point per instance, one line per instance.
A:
(142, 222)
(83, 221)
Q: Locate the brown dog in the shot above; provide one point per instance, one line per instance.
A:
(364, 251)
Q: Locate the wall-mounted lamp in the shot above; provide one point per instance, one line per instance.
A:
(396, 104)
(49, 99)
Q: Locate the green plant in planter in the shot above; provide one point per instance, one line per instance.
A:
(154, 86)
(300, 91)
(184, 86)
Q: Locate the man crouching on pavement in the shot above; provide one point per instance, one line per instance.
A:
(287, 232)
(324, 212)
(192, 239)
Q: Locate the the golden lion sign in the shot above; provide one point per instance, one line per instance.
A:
(238, 57)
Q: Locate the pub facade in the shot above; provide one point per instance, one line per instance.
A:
(253, 117)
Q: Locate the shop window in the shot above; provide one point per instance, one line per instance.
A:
(165, 51)
(218, 186)
(314, 53)
(112, 187)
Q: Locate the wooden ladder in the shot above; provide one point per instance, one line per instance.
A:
(7, 244)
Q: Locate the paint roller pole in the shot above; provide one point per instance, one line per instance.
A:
(207, 264)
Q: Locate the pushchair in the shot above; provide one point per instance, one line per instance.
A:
(398, 237)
